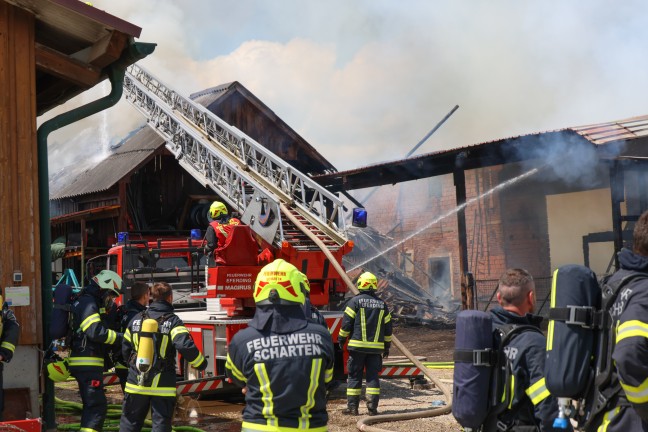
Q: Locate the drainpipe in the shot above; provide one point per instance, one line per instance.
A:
(116, 71)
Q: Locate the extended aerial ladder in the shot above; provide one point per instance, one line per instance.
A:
(269, 193)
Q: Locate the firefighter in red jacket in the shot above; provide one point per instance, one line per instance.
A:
(367, 324)
(155, 389)
(90, 339)
(220, 226)
(282, 359)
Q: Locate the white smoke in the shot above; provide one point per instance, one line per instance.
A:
(363, 81)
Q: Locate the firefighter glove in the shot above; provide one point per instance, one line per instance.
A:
(385, 353)
(341, 342)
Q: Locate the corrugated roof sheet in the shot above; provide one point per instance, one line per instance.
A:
(628, 129)
(105, 174)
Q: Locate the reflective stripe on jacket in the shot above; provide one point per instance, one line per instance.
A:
(285, 375)
(10, 333)
(368, 323)
(91, 331)
(172, 336)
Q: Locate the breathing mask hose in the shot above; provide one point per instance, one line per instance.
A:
(364, 423)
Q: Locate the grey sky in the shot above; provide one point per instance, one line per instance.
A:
(364, 81)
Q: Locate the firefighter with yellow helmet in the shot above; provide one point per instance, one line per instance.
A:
(368, 327)
(283, 359)
(90, 338)
(220, 226)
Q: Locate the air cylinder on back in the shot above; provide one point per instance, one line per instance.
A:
(145, 350)
(471, 381)
(575, 296)
(60, 324)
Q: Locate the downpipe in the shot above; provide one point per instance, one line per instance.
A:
(116, 71)
(364, 423)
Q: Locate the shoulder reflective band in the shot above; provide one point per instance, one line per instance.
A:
(350, 312)
(86, 323)
(175, 331)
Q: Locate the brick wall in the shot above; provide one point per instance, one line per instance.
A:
(504, 229)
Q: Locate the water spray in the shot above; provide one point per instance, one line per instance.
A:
(455, 210)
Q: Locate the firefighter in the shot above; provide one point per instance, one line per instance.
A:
(155, 388)
(367, 325)
(9, 331)
(532, 407)
(90, 338)
(627, 409)
(138, 302)
(310, 311)
(282, 360)
(220, 226)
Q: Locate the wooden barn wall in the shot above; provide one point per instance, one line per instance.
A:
(19, 239)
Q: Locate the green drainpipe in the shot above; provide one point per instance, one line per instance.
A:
(116, 71)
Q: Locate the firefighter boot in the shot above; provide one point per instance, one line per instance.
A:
(372, 404)
(352, 405)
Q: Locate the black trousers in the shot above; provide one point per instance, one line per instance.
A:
(93, 398)
(136, 407)
(122, 374)
(371, 364)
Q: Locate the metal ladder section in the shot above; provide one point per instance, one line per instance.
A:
(235, 166)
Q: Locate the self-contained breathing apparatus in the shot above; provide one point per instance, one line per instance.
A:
(147, 341)
(580, 342)
(482, 374)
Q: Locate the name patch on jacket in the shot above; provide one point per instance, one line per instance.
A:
(371, 303)
(281, 346)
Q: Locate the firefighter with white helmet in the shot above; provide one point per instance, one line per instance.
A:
(90, 338)
(282, 359)
(368, 327)
(220, 226)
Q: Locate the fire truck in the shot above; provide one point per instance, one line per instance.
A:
(285, 214)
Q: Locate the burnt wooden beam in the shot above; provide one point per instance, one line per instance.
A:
(65, 67)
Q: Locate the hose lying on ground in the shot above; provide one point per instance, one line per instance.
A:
(112, 418)
(363, 424)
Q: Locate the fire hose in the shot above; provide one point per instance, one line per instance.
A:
(364, 423)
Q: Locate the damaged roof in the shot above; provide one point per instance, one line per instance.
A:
(238, 106)
(626, 138)
(134, 153)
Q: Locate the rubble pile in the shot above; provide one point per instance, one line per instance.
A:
(411, 304)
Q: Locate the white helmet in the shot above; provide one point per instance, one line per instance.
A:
(109, 280)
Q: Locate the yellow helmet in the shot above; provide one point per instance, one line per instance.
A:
(305, 283)
(109, 280)
(58, 370)
(367, 281)
(279, 283)
(217, 209)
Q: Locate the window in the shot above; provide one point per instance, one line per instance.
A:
(440, 276)
(407, 262)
